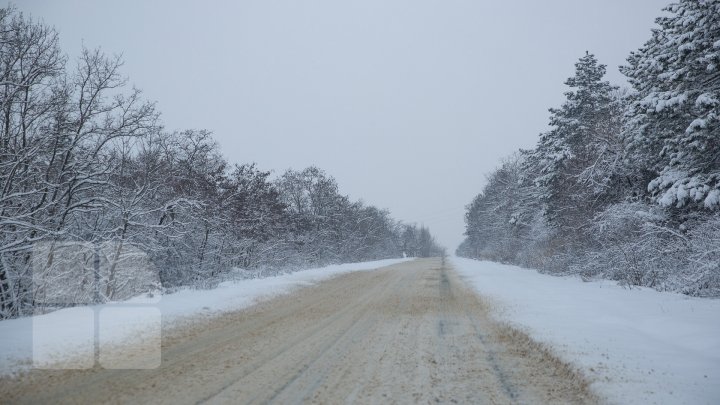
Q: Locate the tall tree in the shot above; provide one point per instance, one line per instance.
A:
(566, 156)
(674, 123)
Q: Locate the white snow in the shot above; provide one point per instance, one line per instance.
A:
(637, 345)
(68, 335)
(706, 100)
(712, 199)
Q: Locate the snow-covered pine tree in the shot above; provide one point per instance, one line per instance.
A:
(674, 123)
(565, 155)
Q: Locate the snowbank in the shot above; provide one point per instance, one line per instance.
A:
(637, 345)
(70, 334)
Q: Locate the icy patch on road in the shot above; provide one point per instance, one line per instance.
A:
(69, 334)
(637, 345)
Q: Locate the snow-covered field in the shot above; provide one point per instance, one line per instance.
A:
(69, 334)
(639, 346)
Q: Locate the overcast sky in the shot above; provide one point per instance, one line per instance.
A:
(408, 104)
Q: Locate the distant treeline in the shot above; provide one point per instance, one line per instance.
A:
(94, 193)
(626, 184)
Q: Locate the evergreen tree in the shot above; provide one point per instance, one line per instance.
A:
(594, 175)
(674, 122)
(566, 158)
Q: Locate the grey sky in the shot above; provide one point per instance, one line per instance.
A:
(407, 103)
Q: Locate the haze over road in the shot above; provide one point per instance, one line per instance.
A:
(408, 333)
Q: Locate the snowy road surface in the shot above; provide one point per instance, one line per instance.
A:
(407, 333)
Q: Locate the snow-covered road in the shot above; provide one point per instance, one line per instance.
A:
(65, 335)
(408, 333)
(411, 332)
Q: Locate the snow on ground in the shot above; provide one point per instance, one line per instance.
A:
(638, 345)
(69, 335)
